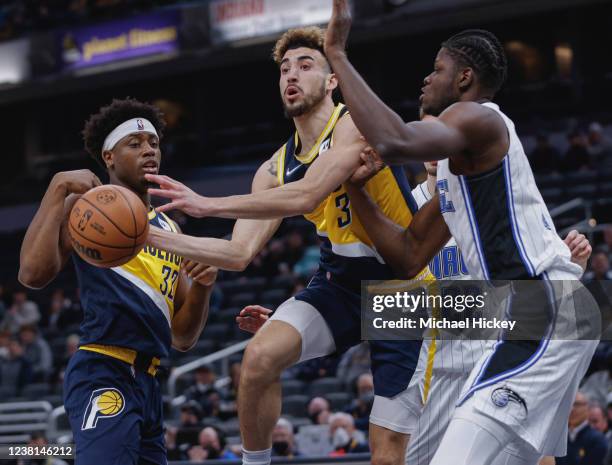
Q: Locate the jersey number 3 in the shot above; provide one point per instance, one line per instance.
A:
(343, 203)
(169, 277)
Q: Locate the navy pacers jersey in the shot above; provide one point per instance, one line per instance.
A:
(132, 305)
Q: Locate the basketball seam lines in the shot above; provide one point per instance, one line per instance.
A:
(111, 221)
(98, 243)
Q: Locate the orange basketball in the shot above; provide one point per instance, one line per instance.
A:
(108, 226)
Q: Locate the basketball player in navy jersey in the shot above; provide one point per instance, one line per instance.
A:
(133, 313)
(519, 395)
(305, 177)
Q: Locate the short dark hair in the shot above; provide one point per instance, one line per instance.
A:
(100, 125)
(482, 51)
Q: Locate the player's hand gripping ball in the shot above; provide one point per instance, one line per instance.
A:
(108, 226)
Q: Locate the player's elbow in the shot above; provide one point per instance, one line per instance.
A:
(31, 277)
(183, 344)
(393, 151)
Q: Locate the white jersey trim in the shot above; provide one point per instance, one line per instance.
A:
(155, 296)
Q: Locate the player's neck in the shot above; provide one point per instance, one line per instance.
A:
(146, 199)
(310, 125)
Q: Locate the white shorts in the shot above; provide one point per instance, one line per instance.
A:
(398, 413)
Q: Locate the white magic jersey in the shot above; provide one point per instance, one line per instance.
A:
(500, 220)
(454, 355)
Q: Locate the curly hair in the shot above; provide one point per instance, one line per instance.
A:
(100, 125)
(310, 37)
(482, 51)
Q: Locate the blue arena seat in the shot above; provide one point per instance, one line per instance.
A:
(295, 405)
(323, 386)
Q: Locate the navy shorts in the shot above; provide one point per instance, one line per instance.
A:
(393, 362)
(115, 412)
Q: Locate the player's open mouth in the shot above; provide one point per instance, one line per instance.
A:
(150, 168)
(292, 92)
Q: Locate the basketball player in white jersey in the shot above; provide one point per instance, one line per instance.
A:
(519, 394)
(454, 358)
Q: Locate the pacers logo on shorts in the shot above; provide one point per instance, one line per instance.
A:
(103, 403)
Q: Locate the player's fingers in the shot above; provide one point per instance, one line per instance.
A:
(168, 207)
(96, 181)
(570, 236)
(207, 277)
(167, 194)
(579, 240)
(189, 267)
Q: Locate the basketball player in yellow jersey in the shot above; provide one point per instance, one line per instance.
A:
(132, 313)
(305, 176)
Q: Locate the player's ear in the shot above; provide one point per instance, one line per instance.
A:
(108, 159)
(465, 79)
(331, 82)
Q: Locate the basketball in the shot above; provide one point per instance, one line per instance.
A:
(108, 226)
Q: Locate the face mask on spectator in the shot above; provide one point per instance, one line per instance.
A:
(280, 447)
(341, 438)
(367, 397)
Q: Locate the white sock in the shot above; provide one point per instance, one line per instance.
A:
(256, 457)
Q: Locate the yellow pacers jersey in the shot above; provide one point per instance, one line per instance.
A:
(347, 252)
(132, 305)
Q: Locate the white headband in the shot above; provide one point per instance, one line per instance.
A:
(131, 126)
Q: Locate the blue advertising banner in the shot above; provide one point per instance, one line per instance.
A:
(119, 40)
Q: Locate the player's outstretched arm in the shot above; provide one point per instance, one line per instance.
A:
(46, 244)
(406, 250)
(330, 170)
(385, 131)
(248, 237)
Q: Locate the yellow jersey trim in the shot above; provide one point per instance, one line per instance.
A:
(314, 150)
(151, 214)
(121, 353)
(280, 164)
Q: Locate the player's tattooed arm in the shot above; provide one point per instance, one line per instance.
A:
(406, 250)
(46, 248)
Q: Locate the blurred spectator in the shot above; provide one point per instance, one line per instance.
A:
(585, 445)
(345, 438)
(283, 442)
(319, 410)
(204, 391)
(607, 234)
(577, 157)
(15, 372)
(36, 352)
(354, 363)
(598, 384)
(186, 434)
(22, 312)
(600, 148)
(544, 158)
(39, 439)
(360, 407)
(60, 313)
(209, 447)
(597, 419)
(599, 268)
(309, 263)
(5, 339)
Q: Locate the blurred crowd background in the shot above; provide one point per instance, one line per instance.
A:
(207, 67)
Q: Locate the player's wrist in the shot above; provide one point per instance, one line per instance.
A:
(59, 185)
